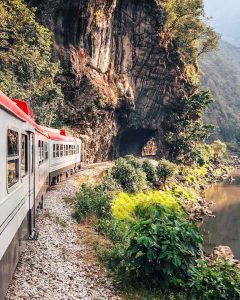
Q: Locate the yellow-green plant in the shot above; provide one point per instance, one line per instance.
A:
(124, 205)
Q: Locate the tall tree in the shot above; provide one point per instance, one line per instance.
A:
(27, 69)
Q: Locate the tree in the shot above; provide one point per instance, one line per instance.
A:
(219, 149)
(184, 126)
(165, 170)
(27, 69)
(186, 23)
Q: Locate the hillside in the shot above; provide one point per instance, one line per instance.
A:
(222, 76)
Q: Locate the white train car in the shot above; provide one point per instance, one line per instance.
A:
(31, 158)
(65, 155)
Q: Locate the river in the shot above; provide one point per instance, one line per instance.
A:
(224, 228)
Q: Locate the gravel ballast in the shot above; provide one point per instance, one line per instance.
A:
(53, 267)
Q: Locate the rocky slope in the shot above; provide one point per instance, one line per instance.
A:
(119, 71)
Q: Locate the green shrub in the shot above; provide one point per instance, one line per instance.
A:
(109, 184)
(92, 201)
(163, 245)
(125, 206)
(165, 170)
(130, 178)
(134, 161)
(113, 229)
(218, 150)
(149, 170)
(218, 280)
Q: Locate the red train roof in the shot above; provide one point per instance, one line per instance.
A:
(22, 111)
(24, 106)
(58, 135)
(14, 109)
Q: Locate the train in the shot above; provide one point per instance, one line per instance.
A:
(32, 158)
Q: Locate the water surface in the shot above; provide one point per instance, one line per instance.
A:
(224, 228)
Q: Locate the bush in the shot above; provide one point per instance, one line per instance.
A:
(125, 206)
(163, 245)
(109, 184)
(165, 169)
(130, 178)
(113, 229)
(134, 161)
(214, 281)
(92, 201)
(218, 150)
(150, 171)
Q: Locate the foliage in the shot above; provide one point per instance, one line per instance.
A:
(27, 70)
(184, 193)
(149, 170)
(219, 149)
(92, 201)
(112, 228)
(125, 206)
(165, 170)
(163, 245)
(134, 161)
(184, 126)
(130, 177)
(214, 280)
(186, 23)
(221, 74)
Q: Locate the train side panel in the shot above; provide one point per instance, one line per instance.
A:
(14, 193)
(65, 158)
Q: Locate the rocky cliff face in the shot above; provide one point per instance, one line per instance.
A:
(119, 71)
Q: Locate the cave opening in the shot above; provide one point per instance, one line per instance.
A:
(133, 141)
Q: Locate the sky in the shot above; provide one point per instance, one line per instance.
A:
(226, 18)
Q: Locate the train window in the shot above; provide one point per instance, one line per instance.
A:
(32, 157)
(70, 149)
(61, 150)
(42, 151)
(24, 155)
(46, 150)
(13, 157)
(64, 153)
(54, 150)
(57, 150)
(66, 150)
(12, 143)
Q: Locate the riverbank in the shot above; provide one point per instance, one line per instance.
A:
(146, 214)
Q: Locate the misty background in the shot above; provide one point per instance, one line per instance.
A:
(226, 18)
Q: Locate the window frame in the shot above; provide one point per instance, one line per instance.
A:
(11, 187)
(26, 154)
(54, 150)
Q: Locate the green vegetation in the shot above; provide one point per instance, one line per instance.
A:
(165, 170)
(162, 245)
(127, 174)
(155, 246)
(91, 201)
(27, 69)
(185, 22)
(184, 127)
(215, 280)
(221, 74)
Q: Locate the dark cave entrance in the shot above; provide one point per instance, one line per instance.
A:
(133, 141)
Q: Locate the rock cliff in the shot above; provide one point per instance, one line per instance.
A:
(120, 70)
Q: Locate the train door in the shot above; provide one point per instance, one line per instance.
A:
(31, 156)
